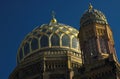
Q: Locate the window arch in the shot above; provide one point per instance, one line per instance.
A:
(34, 44)
(55, 40)
(103, 44)
(26, 49)
(17, 59)
(20, 54)
(44, 41)
(65, 40)
(74, 43)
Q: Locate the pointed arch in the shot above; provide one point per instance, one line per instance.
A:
(74, 43)
(20, 54)
(103, 45)
(34, 44)
(65, 40)
(55, 40)
(44, 41)
(18, 60)
(26, 48)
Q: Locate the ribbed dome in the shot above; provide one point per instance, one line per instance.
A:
(46, 36)
(93, 15)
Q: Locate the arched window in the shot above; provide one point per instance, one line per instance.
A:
(103, 45)
(65, 40)
(55, 40)
(92, 47)
(20, 54)
(26, 49)
(74, 43)
(17, 60)
(44, 41)
(34, 44)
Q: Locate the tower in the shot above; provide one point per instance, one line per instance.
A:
(96, 39)
(97, 47)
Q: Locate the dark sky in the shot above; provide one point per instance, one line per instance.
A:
(19, 17)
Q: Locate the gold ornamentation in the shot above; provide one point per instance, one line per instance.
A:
(90, 7)
(53, 18)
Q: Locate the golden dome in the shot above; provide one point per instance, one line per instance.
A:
(49, 36)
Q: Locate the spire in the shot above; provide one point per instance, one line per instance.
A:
(53, 14)
(90, 7)
(53, 20)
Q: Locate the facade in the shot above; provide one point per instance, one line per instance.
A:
(99, 60)
(59, 51)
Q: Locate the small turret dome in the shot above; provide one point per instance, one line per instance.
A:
(93, 15)
(48, 36)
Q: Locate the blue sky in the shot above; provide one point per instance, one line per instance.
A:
(19, 17)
